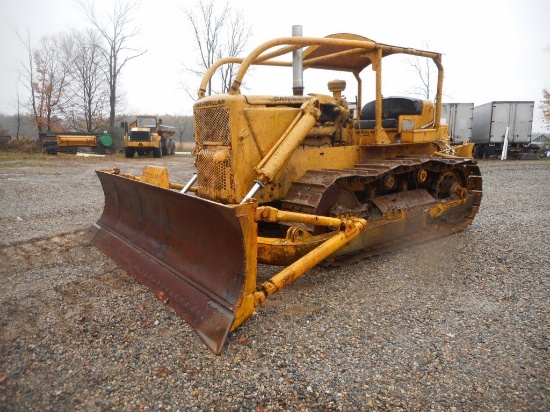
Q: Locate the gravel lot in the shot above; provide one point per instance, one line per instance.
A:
(457, 324)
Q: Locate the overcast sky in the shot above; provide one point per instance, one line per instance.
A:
(492, 50)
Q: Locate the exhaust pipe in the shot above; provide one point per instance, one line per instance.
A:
(297, 65)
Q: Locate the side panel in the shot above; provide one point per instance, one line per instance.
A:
(481, 128)
(304, 159)
(522, 122)
(459, 117)
(502, 117)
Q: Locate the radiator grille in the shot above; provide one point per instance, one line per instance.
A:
(215, 176)
(215, 179)
(212, 126)
(140, 136)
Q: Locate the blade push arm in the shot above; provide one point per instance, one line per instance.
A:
(348, 230)
(270, 166)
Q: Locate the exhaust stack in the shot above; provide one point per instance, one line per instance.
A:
(297, 65)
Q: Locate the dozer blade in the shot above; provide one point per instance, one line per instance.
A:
(191, 252)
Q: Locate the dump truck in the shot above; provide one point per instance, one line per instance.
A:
(70, 142)
(498, 121)
(287, 180)
(147, 135)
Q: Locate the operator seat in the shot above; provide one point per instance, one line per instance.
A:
(392, 108)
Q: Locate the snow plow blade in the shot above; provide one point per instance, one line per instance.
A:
(194, 254)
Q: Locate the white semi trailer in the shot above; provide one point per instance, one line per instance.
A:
(490, 122)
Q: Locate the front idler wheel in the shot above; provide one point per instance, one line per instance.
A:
(448, 184)
(336, 201)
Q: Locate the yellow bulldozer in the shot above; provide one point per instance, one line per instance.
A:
(288, 180)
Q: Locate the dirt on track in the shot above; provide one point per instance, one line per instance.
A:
(455, 324)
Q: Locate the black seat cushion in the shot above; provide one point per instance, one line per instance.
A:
(369, 124)
(392, 108)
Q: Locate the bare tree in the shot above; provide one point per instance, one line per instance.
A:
(18, 113)
(545, 107)
(218, 34)
(426, 71)
(27, 77)
(237, 37)
(89, 85)
(45, 74)
(182, 123)
(116, 30)
(545, 104)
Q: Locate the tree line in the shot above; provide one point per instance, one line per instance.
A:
(23, 126)
(71, 79)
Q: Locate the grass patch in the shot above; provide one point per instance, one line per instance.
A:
(25, 145)
(12, 156)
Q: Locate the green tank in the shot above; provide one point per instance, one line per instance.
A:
(105, 140)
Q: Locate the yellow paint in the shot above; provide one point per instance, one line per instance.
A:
(155, 175)
(73, 141)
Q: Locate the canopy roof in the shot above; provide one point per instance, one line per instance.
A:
(335, 57)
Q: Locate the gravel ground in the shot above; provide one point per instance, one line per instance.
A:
(455, 324)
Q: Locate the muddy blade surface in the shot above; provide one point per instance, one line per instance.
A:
(188, 251)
